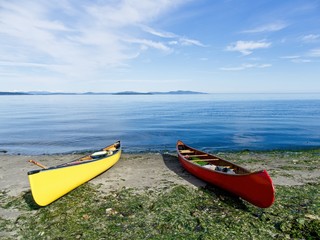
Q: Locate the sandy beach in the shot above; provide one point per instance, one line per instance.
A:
(138, 171)
(148, 171)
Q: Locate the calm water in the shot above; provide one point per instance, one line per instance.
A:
(61, 124)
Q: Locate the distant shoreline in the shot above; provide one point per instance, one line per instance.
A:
(179, 92)
(102, 93)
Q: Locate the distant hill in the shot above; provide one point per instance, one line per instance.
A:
(157, 93)
(132, 93)
(51, 93)
(100, 93)
(179, 92)
(14, 93)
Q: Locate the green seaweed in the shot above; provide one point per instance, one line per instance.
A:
(179, 213)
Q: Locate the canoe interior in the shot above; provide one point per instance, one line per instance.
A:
(204, 159)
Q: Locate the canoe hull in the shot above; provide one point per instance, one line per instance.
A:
(50, 184)
(254, 187)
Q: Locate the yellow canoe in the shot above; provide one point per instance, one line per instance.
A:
(49, 184)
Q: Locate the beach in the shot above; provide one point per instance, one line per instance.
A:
(149, 170)
(158, 172)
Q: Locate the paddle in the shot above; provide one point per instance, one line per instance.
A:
(36, 163)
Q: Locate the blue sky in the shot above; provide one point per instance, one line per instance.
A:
(160, 45)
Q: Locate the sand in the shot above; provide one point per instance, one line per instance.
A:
(138, 171)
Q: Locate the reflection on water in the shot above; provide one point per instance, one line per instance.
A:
(59, 123)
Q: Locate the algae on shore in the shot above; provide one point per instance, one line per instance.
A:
(180, 213)
(171, 209)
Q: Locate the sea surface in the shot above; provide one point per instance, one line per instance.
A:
(48, 124)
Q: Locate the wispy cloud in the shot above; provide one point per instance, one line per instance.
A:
(189, 42)
(158, 33)
(79, 39)
(304, 58)
(291, 57)
(247, 47)
(301, 60)
(245, 66)
(314, 52)
(311, 38)
(176, 39)
(270, 27)
(296, 59)
(145, 44)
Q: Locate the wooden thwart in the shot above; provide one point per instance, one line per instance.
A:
(198, 155)
(205, 160)
(85, 158)
(186, 151)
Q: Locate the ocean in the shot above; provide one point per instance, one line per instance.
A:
(49, 124)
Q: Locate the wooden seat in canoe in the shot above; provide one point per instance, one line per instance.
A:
(186, 151)
(198, 155)
(205, 160)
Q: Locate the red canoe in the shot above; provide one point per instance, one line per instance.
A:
(254, 187)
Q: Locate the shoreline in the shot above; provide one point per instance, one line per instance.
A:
(5, 152)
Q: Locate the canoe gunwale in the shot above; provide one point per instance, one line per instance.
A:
(78, 161)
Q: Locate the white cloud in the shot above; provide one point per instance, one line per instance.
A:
(264, 65)
(173, 42)
(158, 33)
(78, 40)
(178, 40)
(247, 47)
(291, 57)
(300, 60)
(296, 59)
(311, 38)
(189, 42)
(145, 44)
(245, 66)
(271, 27)
(314, 52)
(129, 12)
